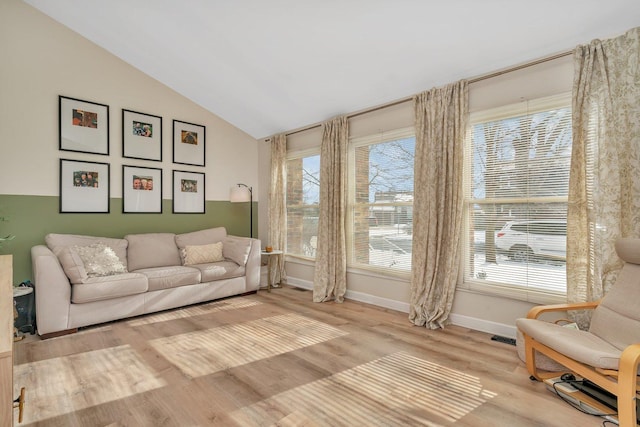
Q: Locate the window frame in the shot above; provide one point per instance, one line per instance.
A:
(354, 143)
(293, 155)
(523, 293)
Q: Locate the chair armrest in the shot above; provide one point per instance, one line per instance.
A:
(627, 384)
(535, 312)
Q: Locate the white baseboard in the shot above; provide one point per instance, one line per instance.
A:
(456, 319)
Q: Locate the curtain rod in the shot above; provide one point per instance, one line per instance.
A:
(409, 98)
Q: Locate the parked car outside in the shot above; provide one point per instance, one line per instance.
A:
(523, 240)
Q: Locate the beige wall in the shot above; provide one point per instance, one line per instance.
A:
(483, 312)
(42, 59)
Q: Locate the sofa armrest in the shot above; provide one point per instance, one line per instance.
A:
(52, 289)
(535, 312)
(252, 267)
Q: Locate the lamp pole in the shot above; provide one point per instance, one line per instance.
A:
(250, 207)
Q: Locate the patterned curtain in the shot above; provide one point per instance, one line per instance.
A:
(441, 120)
(330, 276)
(277, 205)
(604, 185)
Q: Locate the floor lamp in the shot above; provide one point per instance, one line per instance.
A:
(243, 193)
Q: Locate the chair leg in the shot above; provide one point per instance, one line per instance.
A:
(530, 358)
(627, 386)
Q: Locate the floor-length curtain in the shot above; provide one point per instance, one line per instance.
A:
(330, 276)
(277, 205)
(604, 185)
(440, 120)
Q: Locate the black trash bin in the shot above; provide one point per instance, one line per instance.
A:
(24, 301)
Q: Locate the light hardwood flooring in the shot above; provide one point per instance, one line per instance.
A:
(279, 359)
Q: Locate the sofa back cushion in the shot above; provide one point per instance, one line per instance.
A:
(201, 237)
(152, 250)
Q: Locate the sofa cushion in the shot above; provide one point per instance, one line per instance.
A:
(220, 270)
(152, 250)
(108, 287)
(236, 249)
(56, 242)
(202, 254)
(99, 260)
(202, 237)
(170, 277)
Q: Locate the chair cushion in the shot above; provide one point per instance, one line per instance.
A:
(617, 318)
(582, 346)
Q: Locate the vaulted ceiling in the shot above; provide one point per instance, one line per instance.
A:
(272, 66)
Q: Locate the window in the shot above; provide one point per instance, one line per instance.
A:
(516, 187)
(303, 197)
(381, 201)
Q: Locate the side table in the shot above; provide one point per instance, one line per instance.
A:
(271, 257)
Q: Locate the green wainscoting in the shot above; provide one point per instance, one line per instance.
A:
(30, 218)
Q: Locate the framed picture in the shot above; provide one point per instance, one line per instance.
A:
(188, 192)
(84, 187)
(188, 143)
(141, 136)
(84, 126)
(141, 189)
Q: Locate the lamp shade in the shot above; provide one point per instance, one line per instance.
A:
(239, 194)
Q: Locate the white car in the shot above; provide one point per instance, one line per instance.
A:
(522, 240)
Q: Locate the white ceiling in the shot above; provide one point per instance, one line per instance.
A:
(272, 66)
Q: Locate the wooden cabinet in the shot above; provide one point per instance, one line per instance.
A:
(6, 341)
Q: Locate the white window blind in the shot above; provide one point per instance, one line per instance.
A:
(516, 185)
(381, 201)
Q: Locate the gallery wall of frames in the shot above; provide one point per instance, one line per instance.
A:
(84, 184)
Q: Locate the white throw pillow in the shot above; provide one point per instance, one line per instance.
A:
(202, 254)
(99, 260)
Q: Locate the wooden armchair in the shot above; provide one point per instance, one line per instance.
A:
(608, 353)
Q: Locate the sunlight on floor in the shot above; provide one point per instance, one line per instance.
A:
(71, 383)
(196, 310)
(398, 389)
(205, 352)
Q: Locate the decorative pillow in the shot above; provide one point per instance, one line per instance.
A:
(72, 265)
(202, 254)
(237, 249)
(99, 260)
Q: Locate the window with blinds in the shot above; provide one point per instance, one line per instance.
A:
(517, 164)
(303, 197)
(381, 201)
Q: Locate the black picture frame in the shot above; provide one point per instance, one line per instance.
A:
(84, 186)
(188, 192)
(189, 143)
(141, 136)
(83, 126)
(141, 189)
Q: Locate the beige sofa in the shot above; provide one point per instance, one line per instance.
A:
(86, 280)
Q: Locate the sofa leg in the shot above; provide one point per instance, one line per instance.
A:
(58, 333)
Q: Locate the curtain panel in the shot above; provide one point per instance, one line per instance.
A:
(277, 205)
(441, 117)
(330, 275)
(604, 184)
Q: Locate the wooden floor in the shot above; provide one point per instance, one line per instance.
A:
(279, 359)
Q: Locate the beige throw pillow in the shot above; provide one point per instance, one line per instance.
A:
(99, 260)
(202, 254)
